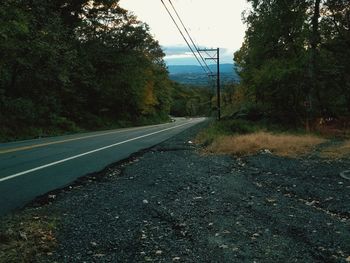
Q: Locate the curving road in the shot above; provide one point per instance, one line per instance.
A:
(32, 168)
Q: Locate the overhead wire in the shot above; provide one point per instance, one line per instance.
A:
(205, 59)
(191, 39)
(182, 34)
(210, 56)
(207, 70)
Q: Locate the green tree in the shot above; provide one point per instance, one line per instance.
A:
(81, 63)
(294, 51)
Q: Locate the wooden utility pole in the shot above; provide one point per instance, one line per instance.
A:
(218, 87)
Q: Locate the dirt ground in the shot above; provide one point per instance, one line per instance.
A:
(173, 204)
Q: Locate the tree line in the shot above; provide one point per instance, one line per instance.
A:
(80, 64)
(295, 60)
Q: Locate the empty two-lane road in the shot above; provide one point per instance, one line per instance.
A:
(32, 168)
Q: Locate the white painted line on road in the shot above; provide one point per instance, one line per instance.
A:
(29, 147)
(87, 153)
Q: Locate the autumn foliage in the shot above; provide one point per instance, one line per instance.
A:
(73, 65)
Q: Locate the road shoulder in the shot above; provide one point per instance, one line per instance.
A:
(171, 203)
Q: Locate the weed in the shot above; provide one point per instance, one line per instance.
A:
(26, 236)
(243, 137)
(226, 127)
(279, 144)
(336, 152)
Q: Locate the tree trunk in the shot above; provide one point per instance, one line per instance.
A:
(314, 41)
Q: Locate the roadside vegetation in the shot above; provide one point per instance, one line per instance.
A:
(81, 65)
(294, 62)
(89, 65)
(279, 144)
(26, 236)
(259, 208)
(242, 137)
(190, 100)
(295, 82)
(341, 150)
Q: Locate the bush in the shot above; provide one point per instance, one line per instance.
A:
(19, 111)
(227, 127)
(63, 124)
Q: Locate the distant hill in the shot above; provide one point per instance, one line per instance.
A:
(194, 75)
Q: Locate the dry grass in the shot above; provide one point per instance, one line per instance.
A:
(25, 237)
(335, 152)
(280, 144)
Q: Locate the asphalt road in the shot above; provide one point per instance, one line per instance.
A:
(35, 167)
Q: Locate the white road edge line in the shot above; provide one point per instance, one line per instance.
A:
(87, 153)
(29, 147)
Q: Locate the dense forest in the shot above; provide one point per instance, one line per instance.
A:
(80, 64)
(191, 100)
(88, 65)
(295, 60)
(195, 76)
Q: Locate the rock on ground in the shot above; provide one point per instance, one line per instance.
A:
(172, 204)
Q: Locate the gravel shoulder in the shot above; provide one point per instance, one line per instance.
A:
(170, 203)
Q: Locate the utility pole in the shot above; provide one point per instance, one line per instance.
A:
(218, 88)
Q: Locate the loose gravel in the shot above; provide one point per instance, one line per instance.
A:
(170, 203)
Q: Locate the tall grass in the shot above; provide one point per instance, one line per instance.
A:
(242, 137)
(225, 128)
(279, 144)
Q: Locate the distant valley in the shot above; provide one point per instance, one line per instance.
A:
(194, 75)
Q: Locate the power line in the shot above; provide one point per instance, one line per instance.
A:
(210, 56)
(188, 34)
(178, 28)
(210, 74)
(217, 59)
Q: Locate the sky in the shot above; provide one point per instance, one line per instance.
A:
(211, 24)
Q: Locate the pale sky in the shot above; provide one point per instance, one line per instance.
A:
(211, 24)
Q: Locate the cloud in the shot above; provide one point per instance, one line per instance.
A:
(187, 55)
(181, 54)
(223, 28)
(176, 50)
(185, 50)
